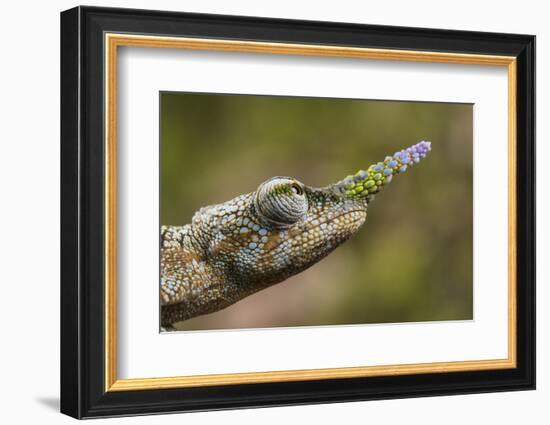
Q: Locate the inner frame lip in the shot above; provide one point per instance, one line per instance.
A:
(114, 40)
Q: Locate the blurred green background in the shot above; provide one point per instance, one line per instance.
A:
(412, 260)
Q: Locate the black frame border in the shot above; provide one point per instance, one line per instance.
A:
(82, 212)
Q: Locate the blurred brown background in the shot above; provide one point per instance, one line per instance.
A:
(412, 260)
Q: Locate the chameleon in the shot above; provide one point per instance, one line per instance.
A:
(234, 249)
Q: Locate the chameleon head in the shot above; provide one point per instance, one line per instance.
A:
(285, 226)
(301, 224)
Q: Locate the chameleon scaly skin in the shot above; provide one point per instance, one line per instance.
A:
(234, 249)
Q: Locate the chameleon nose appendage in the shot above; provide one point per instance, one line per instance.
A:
(367, 183)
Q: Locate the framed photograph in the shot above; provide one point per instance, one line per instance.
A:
(261, 212)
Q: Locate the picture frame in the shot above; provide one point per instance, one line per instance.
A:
(91, 38)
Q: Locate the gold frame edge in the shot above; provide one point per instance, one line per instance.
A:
(113, 41)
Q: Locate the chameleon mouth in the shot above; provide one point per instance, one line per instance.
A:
(350, 224)
(346, 213)
(360, 218)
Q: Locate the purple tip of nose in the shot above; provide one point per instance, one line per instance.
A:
(402, 159)
(423, 146)
(414, 153)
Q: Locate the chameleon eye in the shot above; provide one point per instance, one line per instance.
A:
(296, 189)
(277, 207)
